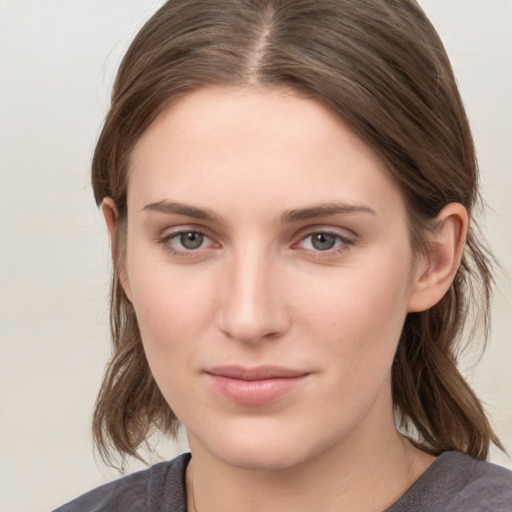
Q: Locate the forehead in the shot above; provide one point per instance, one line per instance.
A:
(249, 144)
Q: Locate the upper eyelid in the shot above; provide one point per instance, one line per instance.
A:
(190, 228)
(165, 239)
(345, 233)
(170, 233)
(346, 240)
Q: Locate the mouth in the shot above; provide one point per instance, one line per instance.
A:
(254, 386)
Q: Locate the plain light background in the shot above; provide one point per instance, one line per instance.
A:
(57, 62)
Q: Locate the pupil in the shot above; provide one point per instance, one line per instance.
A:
(191, 240)
(323, 241)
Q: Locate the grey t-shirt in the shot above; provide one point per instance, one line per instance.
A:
(454, 482)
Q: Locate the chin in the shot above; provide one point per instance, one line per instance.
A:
(262, 458)
(261, 448)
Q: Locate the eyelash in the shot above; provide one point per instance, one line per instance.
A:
(166, 242)
(343, 242)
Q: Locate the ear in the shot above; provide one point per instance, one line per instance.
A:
(435, 272)
(111, 215)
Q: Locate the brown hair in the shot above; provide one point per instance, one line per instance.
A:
(379, 64)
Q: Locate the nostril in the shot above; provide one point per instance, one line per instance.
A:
(252, 322)
(252, 300)
(249, 332)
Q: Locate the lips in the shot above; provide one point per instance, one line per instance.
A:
(254, 386)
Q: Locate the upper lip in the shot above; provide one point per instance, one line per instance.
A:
(257, 373)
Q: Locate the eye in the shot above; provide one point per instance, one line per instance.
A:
(323, 241)
(186, 241)
(190, 240)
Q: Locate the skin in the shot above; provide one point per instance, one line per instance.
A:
(260, 290)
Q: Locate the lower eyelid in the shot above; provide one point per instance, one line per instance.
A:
(166, 240)
(342, 238)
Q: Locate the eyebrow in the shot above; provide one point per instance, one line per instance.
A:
(171, 207)
(289, 216)
(324, 210)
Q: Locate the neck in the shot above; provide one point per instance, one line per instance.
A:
(357, 475)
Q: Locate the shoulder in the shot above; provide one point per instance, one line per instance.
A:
(143, 491)
(481, 486)
(456, 482)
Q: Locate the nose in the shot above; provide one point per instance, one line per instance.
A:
(252, 299)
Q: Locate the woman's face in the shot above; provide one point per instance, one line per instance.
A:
(270, 268)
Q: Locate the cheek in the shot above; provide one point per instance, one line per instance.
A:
(173, 308)
(172, 315)
(358, 300)
(360, 316)
(170, 309)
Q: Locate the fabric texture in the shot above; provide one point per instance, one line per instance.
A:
(453, 483)
(456, 482)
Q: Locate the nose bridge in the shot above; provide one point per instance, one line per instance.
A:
(253, 305)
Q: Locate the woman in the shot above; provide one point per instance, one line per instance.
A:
(289, 187)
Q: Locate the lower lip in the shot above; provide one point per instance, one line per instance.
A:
(254, 392)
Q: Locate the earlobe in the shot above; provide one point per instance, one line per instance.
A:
(436, 271)
(111, 215)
